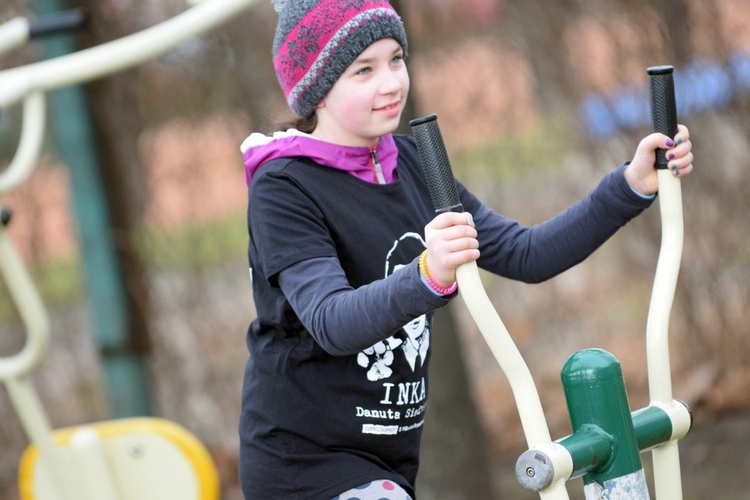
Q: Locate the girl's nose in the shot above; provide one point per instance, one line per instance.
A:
(390, 83)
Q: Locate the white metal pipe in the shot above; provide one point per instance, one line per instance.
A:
(13, 34)
(667, 475)
(505, 351)
(30, 308)
(53, 458)
(507, 354)
(665, 458)
(117, 55)
(30, 144)
(87, 452)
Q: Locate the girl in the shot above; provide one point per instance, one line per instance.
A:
(348, 260)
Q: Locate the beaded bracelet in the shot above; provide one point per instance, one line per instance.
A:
(442, 290)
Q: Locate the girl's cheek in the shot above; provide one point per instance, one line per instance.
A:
(353, 108)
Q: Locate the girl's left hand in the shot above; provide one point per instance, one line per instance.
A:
(641, 174)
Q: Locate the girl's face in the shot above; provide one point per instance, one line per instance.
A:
(367, 100)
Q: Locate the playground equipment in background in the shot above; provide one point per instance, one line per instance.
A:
(126, 459)
(607, 438)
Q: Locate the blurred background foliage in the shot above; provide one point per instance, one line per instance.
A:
(537, 100)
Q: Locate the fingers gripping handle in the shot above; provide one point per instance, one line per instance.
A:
(663, 106)
(435, 164)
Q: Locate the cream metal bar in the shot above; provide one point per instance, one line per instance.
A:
(442, 187)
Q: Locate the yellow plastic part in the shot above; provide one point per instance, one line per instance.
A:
(144, 457)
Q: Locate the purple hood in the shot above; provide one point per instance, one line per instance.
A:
(258, 149)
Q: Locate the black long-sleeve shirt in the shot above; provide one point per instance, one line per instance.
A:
(328, 306)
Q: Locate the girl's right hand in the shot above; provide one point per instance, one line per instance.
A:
(451, 241)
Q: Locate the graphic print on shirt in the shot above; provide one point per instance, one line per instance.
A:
(411, 344)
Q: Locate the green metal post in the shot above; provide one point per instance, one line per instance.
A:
(125, 372)
(599, 413)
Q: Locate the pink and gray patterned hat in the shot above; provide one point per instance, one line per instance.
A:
(316, 40)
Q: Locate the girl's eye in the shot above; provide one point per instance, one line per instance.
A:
(397, 59)
(363, 71)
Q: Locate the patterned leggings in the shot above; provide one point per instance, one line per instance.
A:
(375, 490)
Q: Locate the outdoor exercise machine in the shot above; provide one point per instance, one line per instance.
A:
(607, 437)
(146, 458)
(127, 459)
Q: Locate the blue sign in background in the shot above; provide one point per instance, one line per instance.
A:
(699, 86)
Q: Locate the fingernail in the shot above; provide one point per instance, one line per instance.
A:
(670, 143)
(679, 140)
(670, 156)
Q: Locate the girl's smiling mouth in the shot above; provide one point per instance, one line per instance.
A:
(390, 109)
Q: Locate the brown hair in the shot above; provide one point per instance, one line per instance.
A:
(306, 125)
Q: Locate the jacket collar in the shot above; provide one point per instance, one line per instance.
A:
(257, 149)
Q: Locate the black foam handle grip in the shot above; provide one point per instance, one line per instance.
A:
(435, 164)
(663, 106)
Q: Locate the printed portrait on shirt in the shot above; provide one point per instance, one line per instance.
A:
(413, 340)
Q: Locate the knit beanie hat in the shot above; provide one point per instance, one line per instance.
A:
(316, 40)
